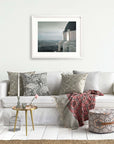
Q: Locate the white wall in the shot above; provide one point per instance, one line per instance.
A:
(97, 34)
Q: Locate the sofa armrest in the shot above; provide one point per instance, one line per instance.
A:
(4, 88)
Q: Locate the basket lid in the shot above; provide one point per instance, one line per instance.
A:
(102, 111)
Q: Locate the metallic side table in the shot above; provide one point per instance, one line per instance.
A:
(28, 108)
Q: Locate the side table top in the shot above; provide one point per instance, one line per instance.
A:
(28, 107)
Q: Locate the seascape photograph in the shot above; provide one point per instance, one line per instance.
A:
(57, 36)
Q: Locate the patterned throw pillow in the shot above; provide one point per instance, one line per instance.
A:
(13, 89)
(35, 84)
(72, 83)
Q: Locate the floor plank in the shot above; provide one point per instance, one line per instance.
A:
(64, 133)
(79, 134)
(21, 135)
(108, 136)
(2, 128)
(6, 134)
(95, 136)
(51, 132)
(38, 132)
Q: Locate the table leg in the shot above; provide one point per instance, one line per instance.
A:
(32, 119)
(26, 120)
(16, 119)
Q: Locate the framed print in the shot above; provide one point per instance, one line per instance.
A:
(56, 37)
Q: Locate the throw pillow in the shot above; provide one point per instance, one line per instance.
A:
(92, 81)
(35, 84)
(72, 83)
(13, 87)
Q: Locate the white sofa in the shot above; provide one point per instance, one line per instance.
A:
(47, 114)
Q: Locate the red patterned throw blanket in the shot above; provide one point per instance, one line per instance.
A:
(74, 108)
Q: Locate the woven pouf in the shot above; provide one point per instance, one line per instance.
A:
(101, 120)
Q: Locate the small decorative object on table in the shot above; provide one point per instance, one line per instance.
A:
(24, 105)
(35, 97)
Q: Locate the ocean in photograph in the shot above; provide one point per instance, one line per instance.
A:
(48, 46)
(57, 36)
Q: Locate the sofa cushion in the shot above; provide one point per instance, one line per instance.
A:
(107, 101)
(107, 98)
(92, 81)
(54, 82)
(35, 84)
(72, 83)
(47, 101)
(106, 80)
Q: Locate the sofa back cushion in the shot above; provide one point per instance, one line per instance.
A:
(106, 80)
(54, 82)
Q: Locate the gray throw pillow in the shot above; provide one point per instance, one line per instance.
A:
(72, 83)
(35, 84)
(13, 87)
(92, 81)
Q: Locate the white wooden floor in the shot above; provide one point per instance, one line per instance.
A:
(52, 133)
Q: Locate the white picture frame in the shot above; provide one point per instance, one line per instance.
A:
(36, 22)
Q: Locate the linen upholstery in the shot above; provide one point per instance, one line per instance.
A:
(41, 116)
(42, 102)
(48, 101)
(67, 118)
(54, 82)
(92, 81)
(4, 85)
(47, 112)
(35, 84)
(106, 80)
(72, 83)
(13, 89)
